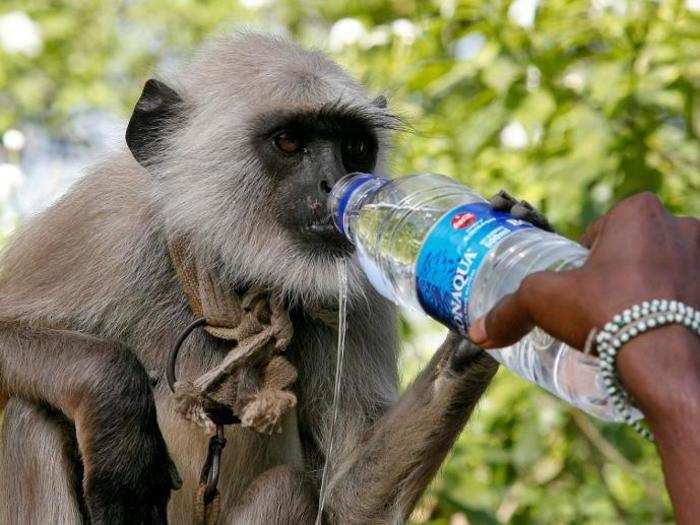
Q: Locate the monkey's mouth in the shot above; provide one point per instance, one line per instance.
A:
(324, 233)
(323, 226)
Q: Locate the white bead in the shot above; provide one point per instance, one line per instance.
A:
(642, 326)
(673, 305)
(645, 304)
(651, 323)
(624, 338)
(633, 332)
(678, 318)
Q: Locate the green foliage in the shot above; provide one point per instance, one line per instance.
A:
(592, 102)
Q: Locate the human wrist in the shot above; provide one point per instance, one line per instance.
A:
(661, 370)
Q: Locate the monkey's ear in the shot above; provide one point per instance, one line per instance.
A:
(155, 109)
(381, 102)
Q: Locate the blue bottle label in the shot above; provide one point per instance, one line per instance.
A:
(451, 256)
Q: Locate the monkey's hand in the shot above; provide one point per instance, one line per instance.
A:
(523, 210)
(402, 451)
(128, 474)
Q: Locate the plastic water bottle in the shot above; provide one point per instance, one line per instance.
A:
(429, 243)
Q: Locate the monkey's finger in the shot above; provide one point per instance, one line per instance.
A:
(464, 354)
(516, 314)
(502, 201)
(159, 514)
(525, 211)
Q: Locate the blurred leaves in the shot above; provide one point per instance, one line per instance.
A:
(570, 104)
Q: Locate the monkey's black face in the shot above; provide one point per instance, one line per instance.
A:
(305, 154)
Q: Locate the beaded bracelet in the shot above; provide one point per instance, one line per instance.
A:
(630, 323)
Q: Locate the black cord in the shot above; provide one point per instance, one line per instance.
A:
(172, 358)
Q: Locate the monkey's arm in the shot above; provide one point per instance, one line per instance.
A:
(103, 388)
(395, 462)
(389, 470)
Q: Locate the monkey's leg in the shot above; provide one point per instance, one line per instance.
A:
(389, 470)
(40, 472)
(104, 390)
(279, 496)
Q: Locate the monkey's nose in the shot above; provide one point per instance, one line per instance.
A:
(325, 186)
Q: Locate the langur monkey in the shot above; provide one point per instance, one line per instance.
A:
(239, 153)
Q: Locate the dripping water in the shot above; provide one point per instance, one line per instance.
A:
(340, 353)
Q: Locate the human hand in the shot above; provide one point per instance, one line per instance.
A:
(639, 252)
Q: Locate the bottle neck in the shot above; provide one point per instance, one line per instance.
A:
(348, 194)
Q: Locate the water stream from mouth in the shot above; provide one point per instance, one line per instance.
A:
(340, 355)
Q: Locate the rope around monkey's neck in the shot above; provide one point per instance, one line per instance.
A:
(257, 326)
(258, 329)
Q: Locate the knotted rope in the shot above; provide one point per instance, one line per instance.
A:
(254, 377)
(253, 380)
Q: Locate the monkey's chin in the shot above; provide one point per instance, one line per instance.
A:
(326, 243)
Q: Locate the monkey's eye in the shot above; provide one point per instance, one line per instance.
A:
(288, 142)
(355, 147)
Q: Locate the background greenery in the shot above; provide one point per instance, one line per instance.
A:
(571, 104)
